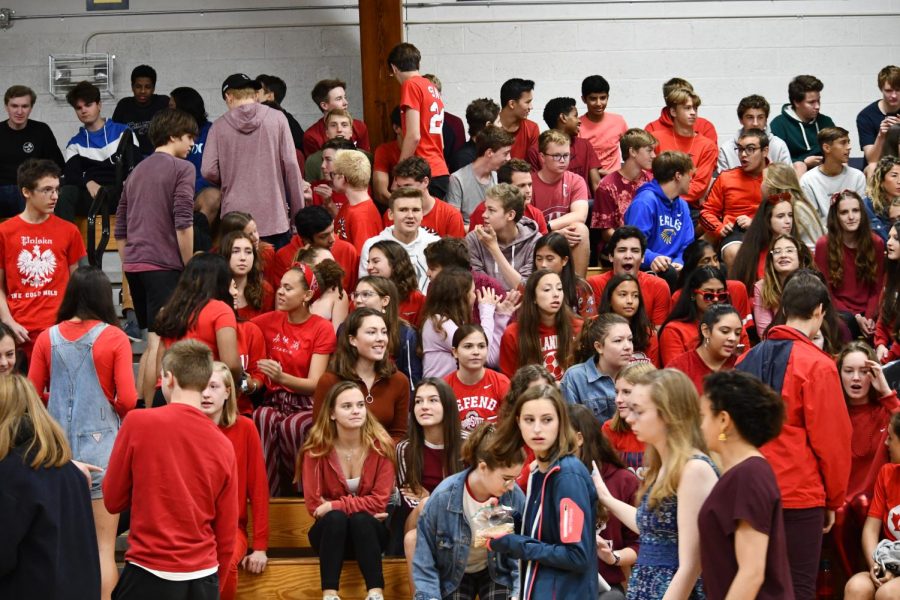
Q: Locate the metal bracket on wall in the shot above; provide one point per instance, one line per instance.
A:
(6, 16)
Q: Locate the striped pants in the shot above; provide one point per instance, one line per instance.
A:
(283, 422)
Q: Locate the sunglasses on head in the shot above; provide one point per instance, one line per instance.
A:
(713, 297)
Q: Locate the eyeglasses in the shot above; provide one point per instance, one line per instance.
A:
(559, 157)
(364, 295)
(745, 149)
(47, 191)
(790, 251)
(714, 297)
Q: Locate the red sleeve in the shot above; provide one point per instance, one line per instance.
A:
(829, 431)
(410, 97)
(376, 500)
(821, 258)
(661, 303)
(312, 139)
(883, 334)
(312, 487)
(75, 251)
(224, 521)
(671, 343)
(477, 216)
(878, 507)
(114, 339)
(508, 356)
(117, 481)
(325, 339)
(455, 225)
(362, 135)
(362, 226)
(39, 367)
(256, 349)
(257, 487)
(706, 164)
(579, 188)
(382, 161)
(219, 315)
(652, 351)
(713, 209)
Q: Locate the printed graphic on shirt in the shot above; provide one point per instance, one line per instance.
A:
(36, 266)
(475, 410)
(893, 522)
(669, 227)
(549, 345)
(27, 147)
(340, 227)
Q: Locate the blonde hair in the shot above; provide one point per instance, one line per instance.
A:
(630, 373)
(241, 93)
(779, 177)
(354, 166)
(676, 401)
(337, 112)
(553, 136)
(229, 409)
(880, 201)
(24, 421)
(681, 95)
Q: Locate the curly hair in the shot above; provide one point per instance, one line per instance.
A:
(402, 272)
(875, 189)
(865, 263)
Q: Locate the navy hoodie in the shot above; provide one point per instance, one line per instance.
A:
(665, 223)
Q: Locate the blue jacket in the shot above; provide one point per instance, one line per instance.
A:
(665, 223)
(880, 223)
(584, 384)
(552, 569)
(443, 541)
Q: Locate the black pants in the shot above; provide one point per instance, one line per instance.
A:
(150, 290)
(803, 533)
(138, 584)
(438, 186)
(337, 536)
(279, 240)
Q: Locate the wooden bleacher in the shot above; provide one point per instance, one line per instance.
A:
(293, 569)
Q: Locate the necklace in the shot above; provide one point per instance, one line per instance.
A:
(347, 454)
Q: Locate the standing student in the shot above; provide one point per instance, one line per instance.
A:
(665, 416)
(545, 331)
(600, 127)
(886, 336)
(189, 100)
(622, 296)
(177, 473)
(552, 252)
(254, 294)
(388, 259)
(298, 344)
(49, 546)
(220, 404)
(883, 195)
(786, 256)
(604, 347)
(742, 542)
(85, 363)
(479, 391)
(468, 571)
(617, 430)
(329, 94)
(347, 466)
(718, 349)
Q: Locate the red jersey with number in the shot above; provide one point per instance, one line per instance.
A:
(356, 223)
(419, 94)
(886, 504)
(479, 402)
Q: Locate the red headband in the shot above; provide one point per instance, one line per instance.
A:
(310, 277)
(779, 197)
(838, 196)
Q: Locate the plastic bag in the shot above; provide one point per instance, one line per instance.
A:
(491, 522)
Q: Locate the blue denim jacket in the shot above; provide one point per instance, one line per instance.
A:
(879, 222)
(584, 384)
(443, 541)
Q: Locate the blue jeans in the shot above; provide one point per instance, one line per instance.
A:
(11, 201)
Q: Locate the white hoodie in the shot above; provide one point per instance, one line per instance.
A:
(415, 249)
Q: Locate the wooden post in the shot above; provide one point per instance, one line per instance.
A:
(380, 29)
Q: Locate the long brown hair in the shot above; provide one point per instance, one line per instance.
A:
(403, 274)
(509, 436)
(253, 291)
(447, 300)
(865, 262)
(413, 455)
(890, 298)
(773, 285)
(25, 422)
(866, 350)
(385, 288)
(530, 321)
(482, 447)
(343, 362)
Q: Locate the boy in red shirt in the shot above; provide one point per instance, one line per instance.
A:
(38, 252)
(617, 189)
(358, 219)
(516, 98)
(329, 94)
(177, 472)
(422, 113)
(701, 125)
(438, 217)
(323, 193)
(387, 156)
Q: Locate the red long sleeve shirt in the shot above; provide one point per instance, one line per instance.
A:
(324, 481)
(252, 483)
(854, 295)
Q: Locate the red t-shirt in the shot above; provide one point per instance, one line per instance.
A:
(251, 348)
(268, 303)
(411, 306)
(555, 199)
(293, 344)
(654, 293)
(357, 223)
(477, 217)
(214, 315)
(387, 155)
(337, 198)
(36, 259)
(693, 366)
(479, 402)
(613, 197)
(526, 140)
(886, 503)
(419, 94)
(630, 449)
(442, 220)
(509, 348)
(583, 159)
(604, 138)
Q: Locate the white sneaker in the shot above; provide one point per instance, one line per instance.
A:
(330, 597)
(374, 596)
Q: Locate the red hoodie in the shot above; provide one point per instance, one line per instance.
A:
(701, 126)
(324, 481)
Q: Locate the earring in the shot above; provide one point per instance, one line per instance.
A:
(706, 341)
(723, 437)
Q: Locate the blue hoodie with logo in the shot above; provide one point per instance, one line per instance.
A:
(665, 223)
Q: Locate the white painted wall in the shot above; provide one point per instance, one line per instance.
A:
(727, 49)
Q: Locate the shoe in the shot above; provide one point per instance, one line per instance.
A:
(330, 597)
(374, 596)
(131, 327)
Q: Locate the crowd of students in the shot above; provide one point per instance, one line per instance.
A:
(419, 352)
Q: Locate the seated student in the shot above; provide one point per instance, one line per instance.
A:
(473, 569)
(786, 256)
(48, 546)
(245, 223)
(800, 121)
(333, 303)
(21, 138)
(600, 127)
(604, 347)
(453, 252)
(616, 190)
(323, 192)
(329, 94)
(627, 247)
(362, 357)
(315, 227)
(183, 517)
(873, 121)
(273, 89)
(516, 98)
(617, 430)
(701, 254)
(851, 258)
(718, 348)
(438, 217)
(517, 173)
(89, 153)
(137, 111)
(405, 209)
(385, 160)
(701, 125)
(683, 105)
(479, 391)
(503, 247)
(338, 124)
(883, 195)
(552, 252)
(253, 294)
(563, 196)
(886, 337)
(452, 130)
(622, 296)
(358, 219)
(753, 113)
(736, 195)
(663, 217)
(388, 259)
(561, 114)
(347, 467)
(480, 113)
(820, 183)
(8, 353)
(469, 184)
(38, 251)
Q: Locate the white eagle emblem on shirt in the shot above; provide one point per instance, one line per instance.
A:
(36, 267)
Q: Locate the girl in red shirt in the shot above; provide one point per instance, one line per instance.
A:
(886, 336)
(241, 221)
(622, 296)
(546, 329)
(333, 304)
(220, 404)
(617, 430)
(786, 255)
(720, 332)
(479, 391)
(298, 344)
(7, 350)
(553, 252)
(255, 295)
(388, 259)
(348, 474)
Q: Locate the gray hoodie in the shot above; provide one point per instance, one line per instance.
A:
(519, 252)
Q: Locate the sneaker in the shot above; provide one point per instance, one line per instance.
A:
(131, 327)
(374, 596)
(330, 597)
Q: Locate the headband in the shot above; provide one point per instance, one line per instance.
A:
(779, 197)
(309, 275)
(837, 196)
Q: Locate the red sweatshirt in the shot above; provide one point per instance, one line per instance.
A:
(176, 471)
(884, 336)
(251, 479)
(870, 422)
(324, 481)
(734, 193)
(854, 296)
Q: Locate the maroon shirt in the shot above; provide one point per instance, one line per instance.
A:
(623, 485)
(583, 159)
(746, 492)
(613, 197)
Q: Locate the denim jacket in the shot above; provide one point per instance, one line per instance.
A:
(443, 541)
(584, 384)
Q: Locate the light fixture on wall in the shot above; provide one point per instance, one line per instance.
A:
(66, 70)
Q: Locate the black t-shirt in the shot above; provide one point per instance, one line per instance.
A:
(746, 492)
(35, 140)
(296, 130)
(138, 118)
(868, 121)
